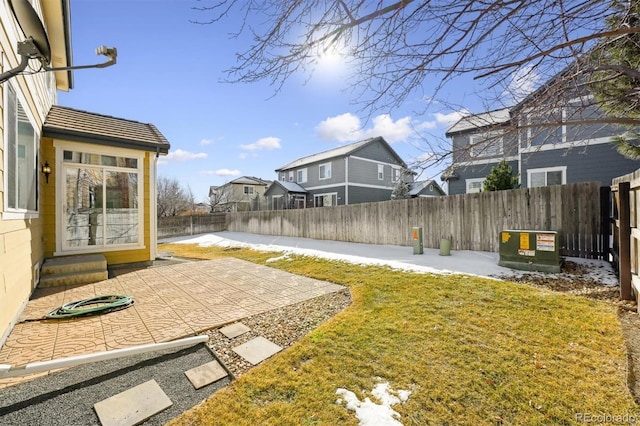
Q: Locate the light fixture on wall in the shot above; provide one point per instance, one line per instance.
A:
(46, 170)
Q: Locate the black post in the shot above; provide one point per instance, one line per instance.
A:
(625, 241)
(605, 222)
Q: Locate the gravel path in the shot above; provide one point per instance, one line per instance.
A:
(283, 326)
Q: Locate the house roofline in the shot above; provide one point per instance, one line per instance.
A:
(92, 138)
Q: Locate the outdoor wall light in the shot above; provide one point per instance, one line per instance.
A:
(46, 170)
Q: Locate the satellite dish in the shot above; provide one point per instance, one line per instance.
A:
(32, 27)
(36, 45)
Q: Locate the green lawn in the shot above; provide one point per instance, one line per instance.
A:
(471, 350)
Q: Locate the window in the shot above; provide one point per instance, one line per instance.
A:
(380, 171)
(102, 200)
(396, 175)
(325, 200)
(302, 176)
(475, 185)
(21, 159)
(291, 176)
(548, 132)
(486, 144)
(325, 171)
(248, 190)
(546, 177)
(283, 177)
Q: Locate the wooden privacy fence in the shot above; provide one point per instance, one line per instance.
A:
(472, 221)
(626, 234)
(175, 226)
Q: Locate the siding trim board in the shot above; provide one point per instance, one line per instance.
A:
(566, 145)
(395, 165)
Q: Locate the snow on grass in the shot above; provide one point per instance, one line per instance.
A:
(371, 414)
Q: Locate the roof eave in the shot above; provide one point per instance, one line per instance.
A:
(75, 136)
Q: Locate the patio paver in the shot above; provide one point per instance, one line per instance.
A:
(171, 302)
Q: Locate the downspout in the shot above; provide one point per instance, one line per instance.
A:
(153, 208)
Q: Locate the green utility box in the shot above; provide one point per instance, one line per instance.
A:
(530, 250)
(417, 241)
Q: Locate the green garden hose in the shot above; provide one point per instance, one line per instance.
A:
(91, 306)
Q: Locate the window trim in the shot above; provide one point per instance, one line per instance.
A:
(291, 175)
(12, 213)
(304, 173)
(545, 170)
(327, 167)
(380, 171)
(60, 147)
(474, 180)
(486, 136)
(245, 187)
(324, 194)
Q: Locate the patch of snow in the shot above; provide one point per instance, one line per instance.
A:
(275, 259)
(371, 414)
(474, 263)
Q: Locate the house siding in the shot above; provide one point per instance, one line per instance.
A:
(593, 163)
(359, 194)
(376, 152)
(313, 174)
(21, 247)
(366, 172)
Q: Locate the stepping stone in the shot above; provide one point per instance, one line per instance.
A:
(257, 350)
(205, 374)
(234, 330)
(133, 406)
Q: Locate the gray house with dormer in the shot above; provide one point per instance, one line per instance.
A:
(555, 136)
(361, 172)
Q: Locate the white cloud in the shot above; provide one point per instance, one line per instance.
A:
(450, 118)
(227, 172)
(392, 131)
(523, 82)
(204, 142)
(267, 143)
(342, 128)
(348, 128)
(180, 155)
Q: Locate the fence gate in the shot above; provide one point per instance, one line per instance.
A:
(626, 235)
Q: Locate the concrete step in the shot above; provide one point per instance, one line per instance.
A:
(82, 263)
(72, 270)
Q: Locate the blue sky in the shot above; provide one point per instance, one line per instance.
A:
(169, 73)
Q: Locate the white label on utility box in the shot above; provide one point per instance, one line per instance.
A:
(527, 253)
(545, 242)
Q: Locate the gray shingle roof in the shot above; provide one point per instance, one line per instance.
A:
(480, 120)
(82, 126)
(325, 155)
(290, 186)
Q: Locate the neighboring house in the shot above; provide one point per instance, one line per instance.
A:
(72, 181)
(425, 188)
(540, 151)
(237, 195)
(360, 172)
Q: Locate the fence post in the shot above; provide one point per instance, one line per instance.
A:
(605, 221)
(624, 266)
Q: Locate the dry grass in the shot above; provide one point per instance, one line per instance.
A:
(474, 351)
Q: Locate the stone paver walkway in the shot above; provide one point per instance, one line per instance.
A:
(171, 302)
